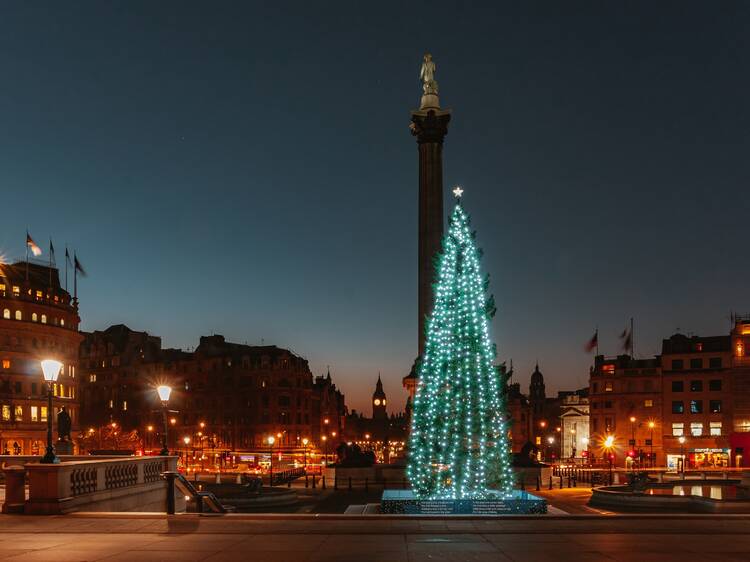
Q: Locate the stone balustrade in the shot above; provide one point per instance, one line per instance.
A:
(113, 484)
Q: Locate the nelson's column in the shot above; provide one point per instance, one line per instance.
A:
(430, 125)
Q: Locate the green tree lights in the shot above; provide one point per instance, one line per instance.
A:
(458, 446)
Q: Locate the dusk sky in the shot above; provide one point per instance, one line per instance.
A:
(247, 169)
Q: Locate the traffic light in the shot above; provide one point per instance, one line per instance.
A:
(631, 454)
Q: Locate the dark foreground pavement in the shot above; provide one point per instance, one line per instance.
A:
(260, 538)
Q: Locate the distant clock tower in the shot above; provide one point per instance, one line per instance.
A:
(378, 402)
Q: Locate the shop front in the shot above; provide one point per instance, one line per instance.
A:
(700, 458)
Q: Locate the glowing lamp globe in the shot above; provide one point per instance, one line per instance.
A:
(164, 392)
(271, 439)
(51, 369)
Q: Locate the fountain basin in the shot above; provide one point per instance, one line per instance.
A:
(704, 496)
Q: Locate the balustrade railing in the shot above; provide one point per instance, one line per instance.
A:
(115, 484)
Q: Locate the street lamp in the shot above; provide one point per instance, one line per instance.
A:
(164, 392)
(305, 441)
(651, 426)
(50, 369)
(325, 453)
(608, 444)
(681, 439)
(271, 441)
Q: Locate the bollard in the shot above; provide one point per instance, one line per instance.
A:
(289, 483)
(538, 483)
(313, 481)
(569, 486)
(218, 478)
(550, 482)
(170, 477)
(561, 482)
(350, 483)
(306, 482)
(366, 487)
(323, 482)
(335, 481)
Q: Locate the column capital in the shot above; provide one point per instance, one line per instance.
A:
(430, 126)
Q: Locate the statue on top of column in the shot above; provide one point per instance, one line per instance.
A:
(427, 75)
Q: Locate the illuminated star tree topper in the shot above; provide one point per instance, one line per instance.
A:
(459, 445)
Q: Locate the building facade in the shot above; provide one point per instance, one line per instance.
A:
(39, 321)
(688, 406)
(226, 396)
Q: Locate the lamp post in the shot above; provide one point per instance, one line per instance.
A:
(305, 441)
(325, 450)
(164, 391)
(585, 443)
(186, 440)
(681, 439)
(271, 441)
(550, 440)
(651, 425)
(608, 445)
(50, 369)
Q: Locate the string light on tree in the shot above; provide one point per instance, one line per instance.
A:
(459, 436)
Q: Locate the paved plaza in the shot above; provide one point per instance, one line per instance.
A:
(272, 538)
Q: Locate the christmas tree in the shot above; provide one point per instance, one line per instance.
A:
(458, 446)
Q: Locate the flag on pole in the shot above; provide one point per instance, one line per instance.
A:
(31, 245)
(593, 342)
(67, 257)
(627, 339)
(78, 266)
(51, 253)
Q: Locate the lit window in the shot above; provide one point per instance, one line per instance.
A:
(6, 412)
(740, 348)
(608, 387)
(39, 294)
(124, 405)
(19, 315)
(16, 290)
(111, 404)
(18, 413)
(648, 403)
(696, 406)
(73, 371)
(2, 287)
(714, 406)
(696, 429)
(62, 321)
(92, 378)
(43, 417)
(6, 313)
(715, 428)
(35, 413)
(44, 318)
(34, 317)
(608, 369)
(6, 363)
(678, 428)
